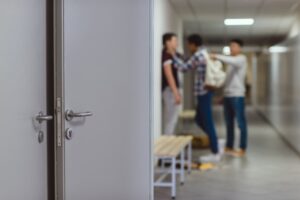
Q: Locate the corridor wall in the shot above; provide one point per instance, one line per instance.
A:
(278, 86)
(166, 19)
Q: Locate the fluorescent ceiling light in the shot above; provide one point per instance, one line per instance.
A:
(239, 22)
(278, 49)
(226, 50)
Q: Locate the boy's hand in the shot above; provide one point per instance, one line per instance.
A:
(177, 97)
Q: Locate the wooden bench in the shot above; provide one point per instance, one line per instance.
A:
(169, 148)
(185, 118)
(187, 114)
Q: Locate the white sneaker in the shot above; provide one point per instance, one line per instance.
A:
(212, 158)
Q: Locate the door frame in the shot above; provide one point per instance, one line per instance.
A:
(55, 153)
(56, 96)
(58, 90)
(153, 78)
(50, 95)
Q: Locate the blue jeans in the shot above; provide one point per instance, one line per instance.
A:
(204, 119)
(235, 107)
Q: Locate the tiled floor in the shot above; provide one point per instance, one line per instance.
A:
(271, 170)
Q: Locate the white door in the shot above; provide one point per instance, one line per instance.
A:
(107, 72)
(23, 165)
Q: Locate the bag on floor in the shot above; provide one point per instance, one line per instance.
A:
(215, 76)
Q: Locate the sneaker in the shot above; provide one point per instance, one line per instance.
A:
(235, 153)
(240, 153)
(212, 158)
(229, 151)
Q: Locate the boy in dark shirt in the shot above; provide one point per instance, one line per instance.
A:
(170, 84)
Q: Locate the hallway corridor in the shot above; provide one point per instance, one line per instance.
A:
(270, 171)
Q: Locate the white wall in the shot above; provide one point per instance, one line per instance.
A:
(165, 20)
(278, 90)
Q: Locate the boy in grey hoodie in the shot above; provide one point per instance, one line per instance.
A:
(234, 92)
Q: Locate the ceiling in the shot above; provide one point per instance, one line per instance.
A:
(273, 19)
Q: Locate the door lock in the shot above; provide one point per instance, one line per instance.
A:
(69, 134)
(41, 136)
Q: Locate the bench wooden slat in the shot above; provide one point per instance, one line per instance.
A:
(171, 146)
(174, 148)
(167, 147)
(187, 114)
(163, 143)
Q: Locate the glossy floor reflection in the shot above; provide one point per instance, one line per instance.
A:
(271, 170)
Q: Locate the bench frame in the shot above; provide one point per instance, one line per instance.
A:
(185, 150)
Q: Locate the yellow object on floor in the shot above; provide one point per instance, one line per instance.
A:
(207, 166)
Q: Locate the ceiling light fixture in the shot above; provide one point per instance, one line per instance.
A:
(239, 22)
(278, 49)
(226, 50)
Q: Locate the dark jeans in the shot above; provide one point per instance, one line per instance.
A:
(235, 107)
(204, 120)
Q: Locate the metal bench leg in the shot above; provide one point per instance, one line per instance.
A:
(182, 167)
(173, 189)
(163, 163)
(190, 157)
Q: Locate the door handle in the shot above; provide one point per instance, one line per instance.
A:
(42, 117)
(70, 114)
